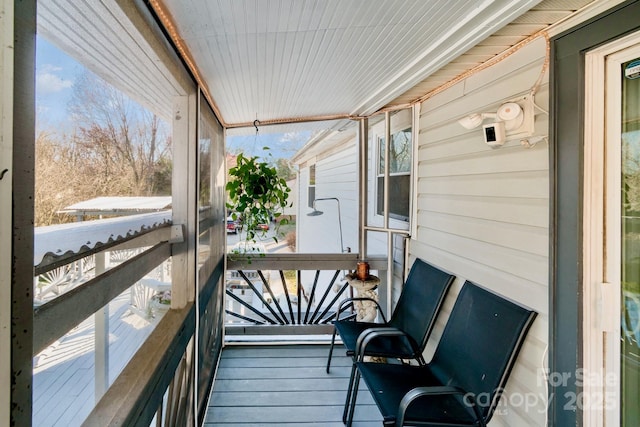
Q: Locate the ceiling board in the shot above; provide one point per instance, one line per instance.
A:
(293, 60)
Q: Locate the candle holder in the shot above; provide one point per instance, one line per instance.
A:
(362, 270)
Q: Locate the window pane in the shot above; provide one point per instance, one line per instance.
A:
(312, 195)
(400, 151)
(398, 196)
(312, 175)
(381, 152)
(312, 185)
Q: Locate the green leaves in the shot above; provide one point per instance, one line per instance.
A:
(256, 193)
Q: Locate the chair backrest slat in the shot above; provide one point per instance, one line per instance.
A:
(420, 300)
(480, 343)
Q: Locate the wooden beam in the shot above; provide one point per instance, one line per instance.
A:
(184, 181)
(137, 393)
(300, 262)
(20, 100)
(6, 209)
(55, 318)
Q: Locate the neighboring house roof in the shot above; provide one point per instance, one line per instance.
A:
(54, 241)
(323, 142)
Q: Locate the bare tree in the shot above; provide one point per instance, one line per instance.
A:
(128, 139)
(117, 149)
(60, 178)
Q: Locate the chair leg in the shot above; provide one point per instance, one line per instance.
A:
(333, 340)
(345, 412)
(354, 395)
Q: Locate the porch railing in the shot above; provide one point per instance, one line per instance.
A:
(159, 380)
(288, 294)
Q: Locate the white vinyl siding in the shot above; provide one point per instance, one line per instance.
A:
(483, 213)
(335, 177)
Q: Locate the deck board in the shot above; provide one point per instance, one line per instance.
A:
(64, 372)
(284, 386)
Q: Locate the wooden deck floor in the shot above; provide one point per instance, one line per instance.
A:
(63, 374)
(284, 386)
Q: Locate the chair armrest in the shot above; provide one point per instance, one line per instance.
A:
(368, 335)
(349, 300)
(418, 392)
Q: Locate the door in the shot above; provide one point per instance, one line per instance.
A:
(628, 68)
(611, 380)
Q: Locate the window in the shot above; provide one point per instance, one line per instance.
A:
(399, 175)
(312, 185)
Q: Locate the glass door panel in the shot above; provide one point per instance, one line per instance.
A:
(630, 224)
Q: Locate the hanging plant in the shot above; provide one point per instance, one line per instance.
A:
(256, 194)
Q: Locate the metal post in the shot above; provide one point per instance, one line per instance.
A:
(317, 212)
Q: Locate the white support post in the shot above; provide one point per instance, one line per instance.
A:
(101, 338)
(17, 95)
(183, 266)
(363, 143)
(6, 170)
(415, 147)
(387, 162)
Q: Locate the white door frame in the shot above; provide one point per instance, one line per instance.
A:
(601, 269)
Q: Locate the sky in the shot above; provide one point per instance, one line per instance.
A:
(280, 145)
(56, 73)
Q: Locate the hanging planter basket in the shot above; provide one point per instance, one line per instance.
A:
(256, 194)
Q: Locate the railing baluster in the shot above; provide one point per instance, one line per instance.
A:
(282, 319)
(349, 317)
(321, 292)
(313, 295)
(255, 291)
(299, 295)
(326, 293)
(249, 307)
(333, 301)
(240, 316)
(286, 293)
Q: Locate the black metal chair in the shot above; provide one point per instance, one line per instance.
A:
(462, 384)
(406, 334)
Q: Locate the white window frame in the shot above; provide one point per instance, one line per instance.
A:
(380, 174)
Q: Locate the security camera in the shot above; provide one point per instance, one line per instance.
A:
(494, 135)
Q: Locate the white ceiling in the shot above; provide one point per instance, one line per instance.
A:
(282, 61)
(101, 36)
(295, 59)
